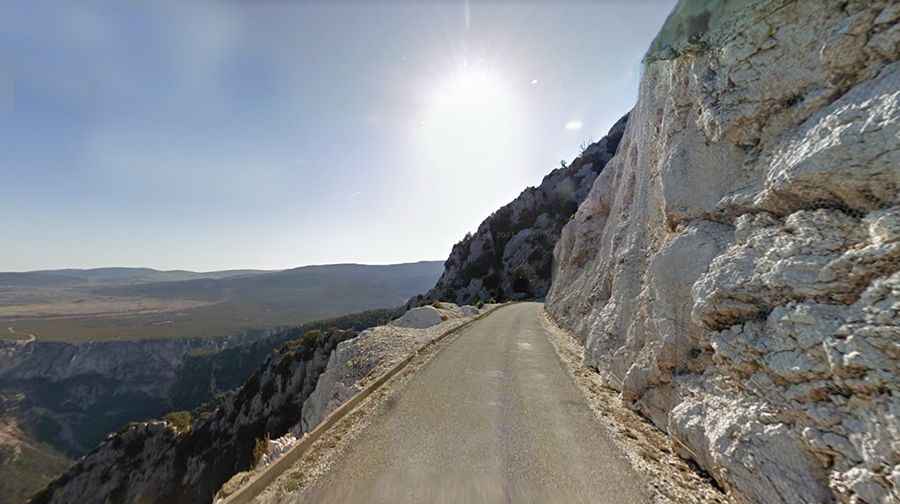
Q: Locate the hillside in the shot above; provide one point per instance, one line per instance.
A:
(509, 256)
(52, 412)
(727, 260)
(134, 304)
(84, 375)
(187, 461)
(73, 277)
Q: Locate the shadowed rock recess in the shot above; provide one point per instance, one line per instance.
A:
(509, 256)
(734, 268)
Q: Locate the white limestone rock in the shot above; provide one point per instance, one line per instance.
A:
(734, 269)
(419, 318)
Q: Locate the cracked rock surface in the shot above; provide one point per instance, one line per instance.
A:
(733, 271)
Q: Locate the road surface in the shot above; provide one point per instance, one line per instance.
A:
(493, 418)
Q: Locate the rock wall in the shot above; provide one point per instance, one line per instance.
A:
(734, 269)
(509, 257)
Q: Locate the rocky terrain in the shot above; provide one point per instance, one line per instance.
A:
(25, 465)
(509, 256)
(67, 398)
(185, 461)
(64, 392)
(729, 256)
(164, 461)
(733, 271)
(83, 391)
(374, 351)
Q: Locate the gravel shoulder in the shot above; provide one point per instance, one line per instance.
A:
(669, 479)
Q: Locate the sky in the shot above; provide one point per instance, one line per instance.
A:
(275, 134)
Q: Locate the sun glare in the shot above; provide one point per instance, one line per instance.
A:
(470, 103)
(469, 88)
(473, 119)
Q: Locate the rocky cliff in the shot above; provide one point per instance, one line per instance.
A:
(171, 461)
(186, 458)
(77, 393)
(733, 270)
(509, 256)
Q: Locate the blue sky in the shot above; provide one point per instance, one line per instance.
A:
(276, 134)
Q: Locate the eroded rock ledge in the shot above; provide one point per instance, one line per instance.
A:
(734, 269)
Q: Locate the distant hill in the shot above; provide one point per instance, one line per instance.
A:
(280, 289)
(139, 303)
(109, 276)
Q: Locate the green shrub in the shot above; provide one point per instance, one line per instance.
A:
(311, 338)
(260, 447)
(181, 420)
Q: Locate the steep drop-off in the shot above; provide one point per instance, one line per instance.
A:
(70, 397)
(171, 462)
(65, 392)
(187, 458)
(734, 269)
(509, 256)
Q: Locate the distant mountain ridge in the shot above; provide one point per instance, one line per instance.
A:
(70, 277)
(141, 303)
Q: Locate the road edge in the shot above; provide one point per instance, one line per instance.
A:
(668, 478)
(259, 482)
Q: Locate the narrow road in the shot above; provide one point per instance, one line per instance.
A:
(493, 418)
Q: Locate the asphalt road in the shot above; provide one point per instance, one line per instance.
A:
(493, 418)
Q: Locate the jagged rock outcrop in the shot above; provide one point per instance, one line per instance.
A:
(734, 269)
(509, 256)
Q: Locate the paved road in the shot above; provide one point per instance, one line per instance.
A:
(494, 418)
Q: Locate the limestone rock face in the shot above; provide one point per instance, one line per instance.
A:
(509, 257)
(733, 271)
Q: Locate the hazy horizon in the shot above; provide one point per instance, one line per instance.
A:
(115, 266)
(272, 135)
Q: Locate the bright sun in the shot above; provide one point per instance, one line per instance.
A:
(469, 88)
(472, 120)
(473, 104)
